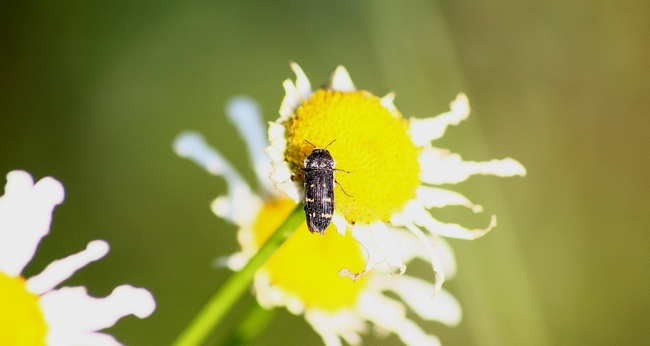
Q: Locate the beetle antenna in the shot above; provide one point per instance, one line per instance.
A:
(342, 189)
(311, 144)
(329, 144)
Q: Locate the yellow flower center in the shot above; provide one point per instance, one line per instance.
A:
(21, 319)
(372, 143)
(307, 265)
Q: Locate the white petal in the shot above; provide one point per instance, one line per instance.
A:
(340, 223)
(241, 210)
(291, 100)
(321, 324)
(276, 155)
(412, 247)
(234, 262)
(70, 310)
(74, 339)
(246, 115)
(438, 271)
(261, 284)
(380, 309)
(246, 238)
(277, 137)
(281, 173)
(60, 270)
(388, 244)
(302, 82)
(293, 189)
(221, 207)
(391, 315)
(294, 305)
(437, 197)
(330, 339)
(412, 335)
(440, 167)
(352, 338)
(268, 296)
(243, 204)
(421, 217)
(416, 293)
(191, 145)
(25, 216)
(423, 131)
(361, 233)
(330, 326)
(340, 80)
(445, 254)
(387, 102)
(380, 246)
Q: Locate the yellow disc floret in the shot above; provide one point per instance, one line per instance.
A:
(21, 319)
(306, 265)
(372, 143)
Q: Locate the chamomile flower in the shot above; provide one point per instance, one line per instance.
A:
(33, 311)
(302, 275)
(392, 161)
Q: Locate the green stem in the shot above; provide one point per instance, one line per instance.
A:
(215, 310)
(252, 325)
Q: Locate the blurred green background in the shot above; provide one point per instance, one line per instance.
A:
(94, 93)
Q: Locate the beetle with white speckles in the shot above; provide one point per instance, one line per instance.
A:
(319, 188)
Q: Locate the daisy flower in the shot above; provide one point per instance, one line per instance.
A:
(33, 311)
(302, 275)
(392, 163)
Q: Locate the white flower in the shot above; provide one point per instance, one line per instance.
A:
(32, 311)
(392, 162)
(303, 273)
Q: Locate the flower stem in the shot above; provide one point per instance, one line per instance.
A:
(254, 323)
(223, 300)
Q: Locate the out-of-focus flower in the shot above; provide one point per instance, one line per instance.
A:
(392, 165)
(302, 275)
(32, 311)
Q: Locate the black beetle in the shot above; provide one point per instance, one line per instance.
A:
(319, 188)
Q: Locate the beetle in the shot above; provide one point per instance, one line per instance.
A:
(319, 188)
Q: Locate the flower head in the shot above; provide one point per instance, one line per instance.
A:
(392, 161)
(32, 311)
(302, 275)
